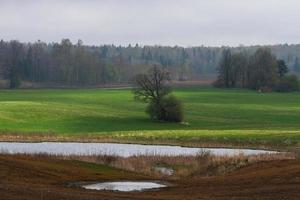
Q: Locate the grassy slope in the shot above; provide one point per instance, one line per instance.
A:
(212, 114)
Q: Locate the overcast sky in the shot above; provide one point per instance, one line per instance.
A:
(150, 22)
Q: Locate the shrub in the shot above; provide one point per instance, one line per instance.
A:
(173, 109)
(154, 111)
(288, 84)
(169, 109)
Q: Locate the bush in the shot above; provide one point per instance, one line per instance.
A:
(154, 111)
(170, 109)
(173, 109)
(288, 84)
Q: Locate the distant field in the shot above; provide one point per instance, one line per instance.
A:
(212, 115)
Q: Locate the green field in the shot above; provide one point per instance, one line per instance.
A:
(226, 116)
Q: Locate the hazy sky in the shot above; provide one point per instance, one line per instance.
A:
(162, 22)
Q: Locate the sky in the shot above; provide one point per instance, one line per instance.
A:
(152, 22)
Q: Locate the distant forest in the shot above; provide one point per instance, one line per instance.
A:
(77, 64)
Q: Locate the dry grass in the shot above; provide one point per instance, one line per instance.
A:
(201, 165)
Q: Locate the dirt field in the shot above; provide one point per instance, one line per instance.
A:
(41, 178)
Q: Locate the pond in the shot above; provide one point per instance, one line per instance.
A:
(123, 150)
(126, 186)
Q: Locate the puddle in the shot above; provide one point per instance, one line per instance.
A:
(164, 170)
(127, 186)
(123, 150)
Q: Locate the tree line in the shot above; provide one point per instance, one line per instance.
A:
(62, 63)
(77, 64)
(260, 70)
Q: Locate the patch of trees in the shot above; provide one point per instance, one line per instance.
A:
(62, 64)
(65, 63)
(154, 89)
(191, 62)
(77, 64)
(260, 71)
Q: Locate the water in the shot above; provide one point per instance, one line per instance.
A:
(164, 170)
(124, 186)
(123, 150)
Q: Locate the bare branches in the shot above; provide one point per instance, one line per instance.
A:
(152, 86)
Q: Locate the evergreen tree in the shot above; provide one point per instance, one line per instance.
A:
(282, 68)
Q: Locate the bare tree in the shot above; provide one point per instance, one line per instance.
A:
(153, 86)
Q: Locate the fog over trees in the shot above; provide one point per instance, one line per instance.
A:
(65, 63)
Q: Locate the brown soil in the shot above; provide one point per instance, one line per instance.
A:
(45, 178)
(200, 81)
(203, 82)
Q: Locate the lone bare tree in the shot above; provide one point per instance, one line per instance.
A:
(154, 88)
(153, 85)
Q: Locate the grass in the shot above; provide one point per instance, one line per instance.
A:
(212, 115)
